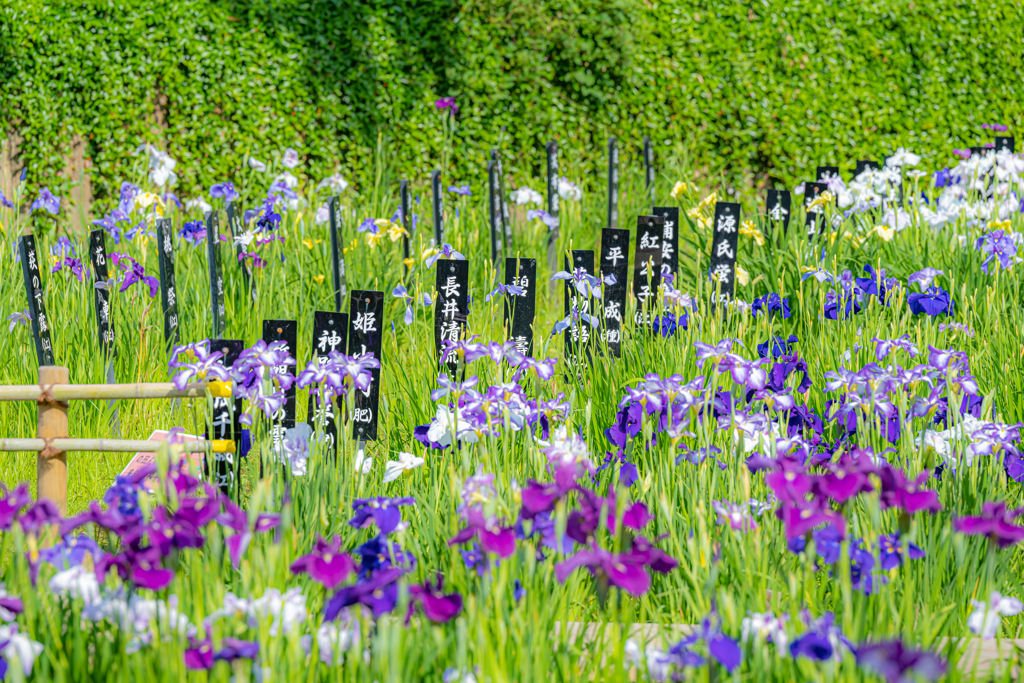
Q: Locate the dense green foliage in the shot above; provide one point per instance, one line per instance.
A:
(762, 92)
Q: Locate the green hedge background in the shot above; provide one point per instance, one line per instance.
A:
(759, 91)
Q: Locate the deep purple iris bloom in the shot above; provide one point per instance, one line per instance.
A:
(890, 551)
(437, 606)
(233, 648)
(780, 346)
(236, 519)
(41, 513)
(845, 479)
(199, 657)
(379, 592)
(193, 232)
(997, 245)
(225, 191)
(493, 537)
(137, 273)
(447, 103)
(899, 492)
(4, 201)
(816, 643)
(383, 511)
(379, 553)
(46, 201)
(895, 663)
(11, 504)
(995, 521)
(70, 552)
(933, 301)
(325, 563)
(771, 303)
(849, 306)
(621, 570)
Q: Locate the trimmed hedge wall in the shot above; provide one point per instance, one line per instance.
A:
(763, 90)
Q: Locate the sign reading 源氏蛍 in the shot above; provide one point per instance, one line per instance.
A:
(724, 243)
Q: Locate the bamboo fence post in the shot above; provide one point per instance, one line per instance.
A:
(52, 463)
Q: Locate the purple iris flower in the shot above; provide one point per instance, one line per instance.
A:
(379, 592)
(995, 521)
(622, 571)
(817, 642)
(447, 103)
(199, 657)
(4, 201)
(903, 494)
(518, 593)
(845, 479)
(225, 191)
(898, 664)
(780, 346)
(943, 178)
(771, 303)
(236, 519)
(137, 273)
(11, 503)
(933, 301)
(924, 277)
(545, 218)
(40, 514)
(383, 511)
(447, 252)
(997, 245)
(883, 347)
(193, 232)
(721, 647)
(380, 553)
(436, 606)
(233, 648)
(493, 537)
(891, 551)
(70, 552)
(325, 563)
(460, 189)
(834, 308)
(477, 560)
(46, 201)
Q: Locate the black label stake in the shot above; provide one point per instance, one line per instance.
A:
(216, 276)
(101, 296)
(649, 164)
(366, 316)
(778, 207)
(223, 425)
(438, 207)
(493, 210)
(579, 333)
(168, 291)
(403, 205)
(521, 308)
(669, 241)
(724, 242)
(36, 305)
(236, 228)
(337, 253)
(506, 227)
(613, 183)
(814, 220)
(864, 165)
(647, 269)
(330, 333)
(286, 331)
(1004, 144)
(551, 152)
(614, 261)
(451, 310)
(825, 172)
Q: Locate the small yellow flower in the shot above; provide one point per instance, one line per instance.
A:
(319, 279)
(678, 190)
(709, 201)
(748, 228)
(885, 232)
(999, 225)
(353, 245)
(428, 252)
(373, 239)
(396, 231)
(821, 200)
(308, 243)
(409, 262)
(742, 276)
(694, 213)
(703, 222)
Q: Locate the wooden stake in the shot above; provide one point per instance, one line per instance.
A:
(52, 463)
